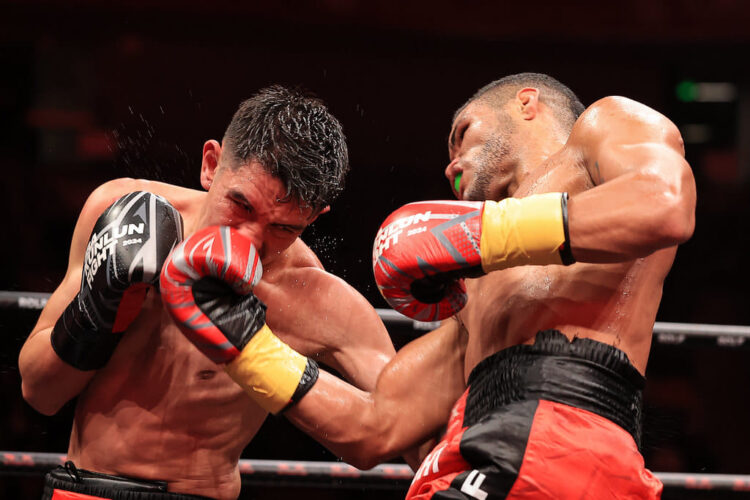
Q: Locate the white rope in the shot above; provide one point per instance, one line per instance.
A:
(665, 333)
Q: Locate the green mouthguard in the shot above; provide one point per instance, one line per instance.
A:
(457, 183)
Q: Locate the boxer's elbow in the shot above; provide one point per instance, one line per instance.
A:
(667, 208)
(47, 382)
(674, 220)
(368, 455)
(677, 225)
(40, 400)
(395, 432)
(361, 462)
(37, 384)
(370, 447)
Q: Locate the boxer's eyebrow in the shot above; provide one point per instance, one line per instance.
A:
(239, 196)
(290, 227)
(452, 138)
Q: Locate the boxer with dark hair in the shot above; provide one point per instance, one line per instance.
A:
(154, 418)
(549, 269)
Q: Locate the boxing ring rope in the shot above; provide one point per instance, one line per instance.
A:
(390, 476)
(664, 333)
(385, 476)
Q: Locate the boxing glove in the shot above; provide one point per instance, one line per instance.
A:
(423, 250)
(206, 286)
(124, 255)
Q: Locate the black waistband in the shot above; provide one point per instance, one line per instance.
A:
(584, 373)
(71, 478)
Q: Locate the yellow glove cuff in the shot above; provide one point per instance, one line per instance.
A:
(268, 369)
(522, 231)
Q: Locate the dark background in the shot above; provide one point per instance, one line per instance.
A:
(91, 92)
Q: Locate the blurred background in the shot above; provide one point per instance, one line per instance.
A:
(92, 91)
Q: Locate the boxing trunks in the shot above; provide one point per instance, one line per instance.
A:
(70, 483)
(556, 419)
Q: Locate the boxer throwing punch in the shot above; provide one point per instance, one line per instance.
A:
(154, 418)
(550, 267)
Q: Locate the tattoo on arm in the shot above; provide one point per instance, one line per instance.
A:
(598, 179)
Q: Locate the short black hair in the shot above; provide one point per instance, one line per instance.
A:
(567, 106)
(294, 136)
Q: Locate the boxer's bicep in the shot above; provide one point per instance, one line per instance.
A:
(651, 185)
(654, 160)
(643, 197)
(617, 136)
(354, 339)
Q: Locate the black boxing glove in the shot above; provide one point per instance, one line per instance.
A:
(125, 253)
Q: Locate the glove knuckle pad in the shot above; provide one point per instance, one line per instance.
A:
(418, 253)
(131, 241)
(128, 245)
(219, 253)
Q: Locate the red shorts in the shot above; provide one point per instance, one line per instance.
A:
(536, 449)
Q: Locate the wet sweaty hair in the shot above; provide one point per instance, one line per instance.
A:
(564, 103)
(294, 136)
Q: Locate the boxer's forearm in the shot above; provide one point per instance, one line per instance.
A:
(412, 400)
(47, 382)
(362, 428)
(632, 215)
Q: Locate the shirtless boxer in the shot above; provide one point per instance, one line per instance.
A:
(152, 407)
(552, 352)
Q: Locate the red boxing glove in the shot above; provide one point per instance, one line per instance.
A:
(206, 286)
(421, 251)
(224, 267)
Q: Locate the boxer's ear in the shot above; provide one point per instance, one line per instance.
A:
(527, 100)
(315, 215)
(210, 162)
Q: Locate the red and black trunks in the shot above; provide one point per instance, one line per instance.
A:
(556, 419)
(71, 483)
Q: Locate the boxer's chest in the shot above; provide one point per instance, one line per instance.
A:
(155, 358)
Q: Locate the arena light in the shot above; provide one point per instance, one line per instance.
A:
(690, 91)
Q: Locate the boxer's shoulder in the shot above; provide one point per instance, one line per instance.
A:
(615, 117)
(106, 193)
(291, 275)
(291, 264)
(297, 278)
(301, 256)
(612, 107)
